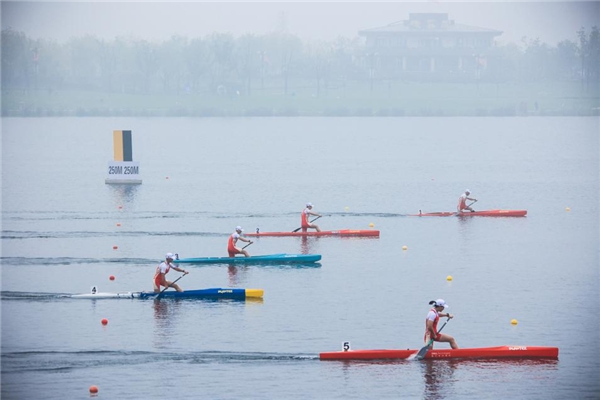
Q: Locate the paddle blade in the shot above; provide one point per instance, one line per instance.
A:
(423, 352)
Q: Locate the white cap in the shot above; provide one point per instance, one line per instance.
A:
(441, 303)
(308, 204)
(170, 255)
(238, 228)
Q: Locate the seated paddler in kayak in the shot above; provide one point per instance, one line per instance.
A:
(431, 321)
(233, 238)
(160, 277)
(305, 223)
(462, 202)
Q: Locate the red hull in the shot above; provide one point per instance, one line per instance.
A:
(343, 232)
(473, 353)
(486, 213)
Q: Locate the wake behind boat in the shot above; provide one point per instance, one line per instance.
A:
(342, 232)
(260, 259)
(212, 293)
(498, 352)
(483, 213)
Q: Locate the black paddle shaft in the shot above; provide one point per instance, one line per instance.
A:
(172, 283)
(423, 352)
(297, 229)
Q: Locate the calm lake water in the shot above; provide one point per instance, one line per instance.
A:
(202, 177)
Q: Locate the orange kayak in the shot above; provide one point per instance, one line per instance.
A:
(485, 213)
(342, 232)
(472, 353)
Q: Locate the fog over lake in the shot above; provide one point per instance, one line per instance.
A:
(550, 21)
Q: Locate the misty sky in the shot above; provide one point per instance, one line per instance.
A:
(551, 21)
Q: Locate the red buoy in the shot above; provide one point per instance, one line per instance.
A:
(104, 321)
(93, 389)
(112, 277)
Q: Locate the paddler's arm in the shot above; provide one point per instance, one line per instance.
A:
(180, 270)
(243, 239)
(442, 315)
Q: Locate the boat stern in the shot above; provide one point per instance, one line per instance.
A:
(254, 293)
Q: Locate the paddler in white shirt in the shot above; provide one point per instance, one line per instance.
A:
(160, 278)
(462, 201)
(431, 321)
(305, 215)
(233, 238)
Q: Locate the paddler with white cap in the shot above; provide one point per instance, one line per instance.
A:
(233, 238)
(462, 202)
(305, 223)
(431, 322)
(160, 277)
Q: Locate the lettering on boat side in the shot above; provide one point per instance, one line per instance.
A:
(225, 291)
(441, 355)
(517, 348)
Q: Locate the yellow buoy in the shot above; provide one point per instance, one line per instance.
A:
(404, 247)
(449, 278)
(568, 208)
(514, 321)
(371, 225)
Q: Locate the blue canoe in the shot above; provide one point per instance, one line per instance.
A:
(270, 258)
(212, 293)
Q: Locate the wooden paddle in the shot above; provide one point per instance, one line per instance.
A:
(296, 230)
(423, 352)
(158, 295)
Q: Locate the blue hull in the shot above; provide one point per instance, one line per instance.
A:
(271, 258)
(213, 293)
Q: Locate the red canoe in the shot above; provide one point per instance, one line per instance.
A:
(486, 213)
(481, 352)
(342, 232)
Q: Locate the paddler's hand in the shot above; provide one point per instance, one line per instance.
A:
(450, 316)
(185, 272)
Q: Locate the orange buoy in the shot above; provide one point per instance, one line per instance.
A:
(104, 321)
(93, 389)
(112, 277)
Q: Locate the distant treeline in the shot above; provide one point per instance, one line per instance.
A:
(258, 68)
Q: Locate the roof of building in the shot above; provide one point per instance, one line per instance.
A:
(428, 23)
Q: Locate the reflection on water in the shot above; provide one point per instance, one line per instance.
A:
(307, 244)
(437, 377)
(236, 274)
(164, 314)
(123, 193)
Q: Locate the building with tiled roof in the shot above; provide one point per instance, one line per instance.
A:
(427, 45)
